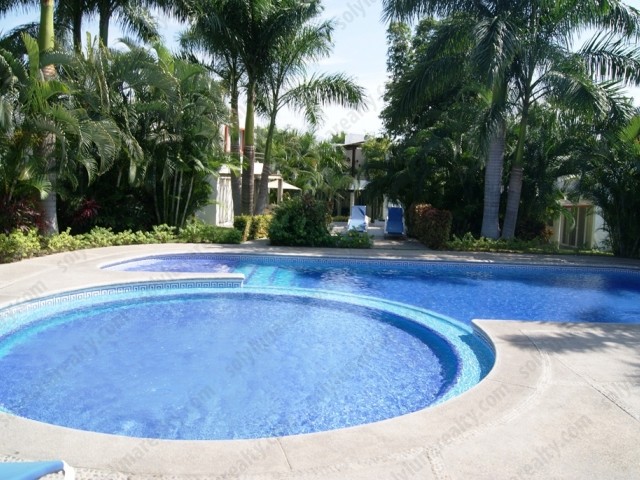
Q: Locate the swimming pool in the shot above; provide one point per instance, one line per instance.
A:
(441, 298)
(180, 360)
(462, 291)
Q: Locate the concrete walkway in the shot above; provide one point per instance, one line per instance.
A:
(563, 401)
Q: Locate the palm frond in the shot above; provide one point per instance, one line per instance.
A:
(33, 54)
(13, 42)
(497, 45)
(322, 90)
(138, 20)
(607, 56)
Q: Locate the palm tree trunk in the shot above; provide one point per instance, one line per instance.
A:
(236, 180)
(77, 26)
(513, 202)
(104, 12)
(493, 184)
(177, 190)
(46, 33)
(49, 205)
(187, 203)
(156, 201)
(515, 180)
(47, 145)
(263, 191)
(249, 153)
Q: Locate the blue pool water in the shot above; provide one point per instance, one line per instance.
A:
(187, 362)
(461, 291)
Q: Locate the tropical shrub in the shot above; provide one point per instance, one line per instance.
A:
(430, 225)
(21, 214)
(612, 181)
(64, 242)
(530, 229)
(468, 243)
(301, 221)
(196, 231)
(252, 227)
(242, 223)
(259, 227)
(18, 245)
(353, 239)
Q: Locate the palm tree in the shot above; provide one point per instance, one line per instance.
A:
(53, 135)
(46, 44)
(252, 29)
(329, 175)
(18, 177)
(285, 85)
(69, 16)
(227, 65)
(522, 51)
(134, 16)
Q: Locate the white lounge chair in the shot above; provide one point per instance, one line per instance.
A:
(358, 219)
(35, 470)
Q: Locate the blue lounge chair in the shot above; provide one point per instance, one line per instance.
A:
(35, 470)
(358, 219)
(394, 225)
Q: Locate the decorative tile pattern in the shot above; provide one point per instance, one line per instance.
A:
(77, 296)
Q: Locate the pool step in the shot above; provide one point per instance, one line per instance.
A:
(260, 275)
(264, 275)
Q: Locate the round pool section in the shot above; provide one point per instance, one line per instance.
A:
(185, 361)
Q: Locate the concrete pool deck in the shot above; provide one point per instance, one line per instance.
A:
(563, 400)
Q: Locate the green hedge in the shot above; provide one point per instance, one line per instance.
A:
(19, 245)
(252, 227)
(353, 239)
(304, 221)
(242, 223)
(430, 225)
(301, 221)
(260, 227)
(199, 232)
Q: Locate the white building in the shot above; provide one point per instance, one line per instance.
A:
(220, 211)
(583, 227)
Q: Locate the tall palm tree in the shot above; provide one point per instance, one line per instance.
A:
(285, 85)
(134, 16)
(70, 15)
(522, 51)
(225, 62)
(253, 29)
(46, 43)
